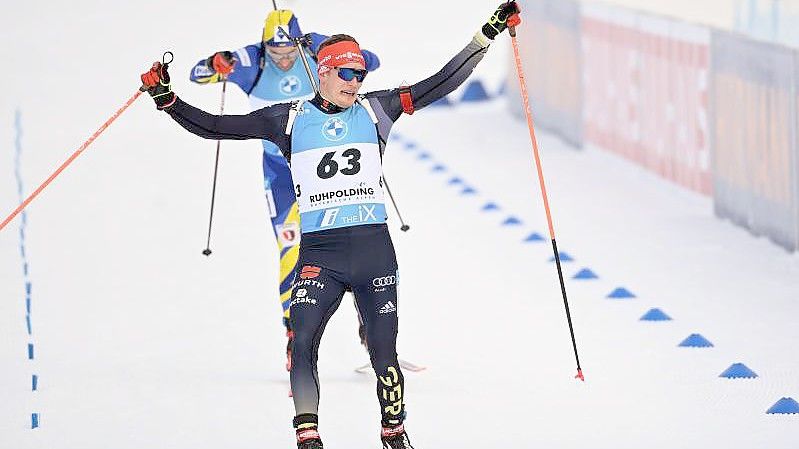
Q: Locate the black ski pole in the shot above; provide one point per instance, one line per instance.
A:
(404, 227)
(207, 251)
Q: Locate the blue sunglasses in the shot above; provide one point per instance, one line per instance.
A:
(348, 74)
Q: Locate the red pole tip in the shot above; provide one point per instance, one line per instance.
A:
(579, 375)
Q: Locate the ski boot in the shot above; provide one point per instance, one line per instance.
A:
(307, 433)
(395, 437)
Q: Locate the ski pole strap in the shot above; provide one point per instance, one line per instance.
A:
(406, 99)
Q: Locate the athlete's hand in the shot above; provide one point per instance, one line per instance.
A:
(507, 14)
(156, 82)
(222, 62)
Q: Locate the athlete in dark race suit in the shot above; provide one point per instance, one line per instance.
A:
(334, 144)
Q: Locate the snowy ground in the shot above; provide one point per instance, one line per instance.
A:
(143, 342)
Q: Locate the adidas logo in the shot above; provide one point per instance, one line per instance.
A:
(388, 307)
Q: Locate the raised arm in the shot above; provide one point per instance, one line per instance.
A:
(454, 72)
(240, 67)
(267, 123)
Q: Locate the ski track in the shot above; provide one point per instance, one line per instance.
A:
(143, 342)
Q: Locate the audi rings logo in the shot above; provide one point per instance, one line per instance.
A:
(384, 281)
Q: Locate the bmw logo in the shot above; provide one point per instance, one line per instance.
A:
(334, 129)
(290, 85)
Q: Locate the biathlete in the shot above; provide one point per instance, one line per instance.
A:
(334, 144)
(268, 73)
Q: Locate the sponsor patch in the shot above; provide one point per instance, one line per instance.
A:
(309, 283)
(288, 234)
(309, 272)
(388, 307)
(334, 129)
(305, 300)
(381, 283)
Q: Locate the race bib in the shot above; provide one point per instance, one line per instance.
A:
(339, 186)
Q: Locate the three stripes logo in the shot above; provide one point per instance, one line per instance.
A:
(309, 272)
(388, 307)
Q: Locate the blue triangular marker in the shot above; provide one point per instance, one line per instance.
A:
(696, 341)
(468, 191)
(455, 180)
(655, 315)
(474, 92)
(395, 136)
(784, 406)
(489, 207)
(503, 89)
(410, 146)
(585, 273)
(423, 156)
(34, 420)
(511, 221)
(621, 293)
(564, 257)
(534, 237)
(439, 168)
(738, 371)
(443, 101)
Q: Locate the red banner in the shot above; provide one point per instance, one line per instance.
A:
(645, 92)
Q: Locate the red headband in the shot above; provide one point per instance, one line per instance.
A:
(338, 54)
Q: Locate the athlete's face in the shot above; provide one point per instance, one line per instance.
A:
(283, 57)
(338, 91)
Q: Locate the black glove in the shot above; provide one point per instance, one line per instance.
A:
(499, 21)
(156, 82)
(222, 62)
(306, 40)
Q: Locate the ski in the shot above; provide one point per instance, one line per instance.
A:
(404, 364)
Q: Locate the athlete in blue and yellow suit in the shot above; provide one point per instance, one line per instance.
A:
(269, 73)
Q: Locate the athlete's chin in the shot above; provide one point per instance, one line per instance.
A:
(346, 100)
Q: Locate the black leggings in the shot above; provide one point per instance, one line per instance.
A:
(361, 259)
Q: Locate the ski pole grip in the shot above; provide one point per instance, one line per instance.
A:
(512, 31)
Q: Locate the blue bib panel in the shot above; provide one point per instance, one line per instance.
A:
(276, 86)
(337, 169)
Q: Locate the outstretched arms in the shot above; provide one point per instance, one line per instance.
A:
(267, 123)
(396, 101)
(240, 67)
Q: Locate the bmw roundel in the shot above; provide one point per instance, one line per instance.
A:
(290, 85)
(334, 129)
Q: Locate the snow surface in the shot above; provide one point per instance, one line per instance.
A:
(143, 342)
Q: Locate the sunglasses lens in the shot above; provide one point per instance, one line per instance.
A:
(348, 74)
(280, 56)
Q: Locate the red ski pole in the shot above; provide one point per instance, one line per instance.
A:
(74, 156)
(531, 127)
